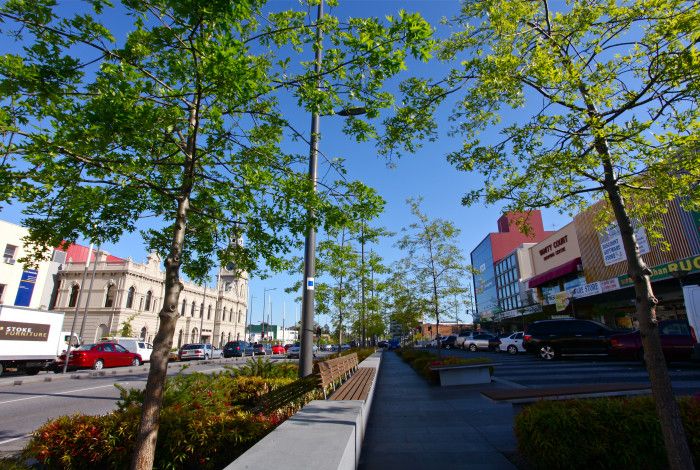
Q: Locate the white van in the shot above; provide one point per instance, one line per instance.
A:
(134, 345)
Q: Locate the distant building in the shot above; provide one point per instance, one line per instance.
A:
(495, 247)
(124, 291)
(21, 285)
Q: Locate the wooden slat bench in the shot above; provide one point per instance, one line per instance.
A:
(343, 380)
(357, 387)
(530, 395)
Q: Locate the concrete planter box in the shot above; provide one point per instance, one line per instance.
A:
(464, 375)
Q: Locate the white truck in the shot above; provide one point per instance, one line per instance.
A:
(31, 340)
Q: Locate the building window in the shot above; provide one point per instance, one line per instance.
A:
(240, 314)
(111, 293)
(9, 255)
(149, 299)
(201, 310)
(130, 297)
(144, 332)
(230, 316)
(74, 291)
(209, 313)
(223, 317)
(192, 309)
(194, 336)
(2, 292)
(184, 308)
(179, 339)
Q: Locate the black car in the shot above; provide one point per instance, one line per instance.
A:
(236, 348)
(383, 344)
(449, 342)
(260, 349)
(567, 337)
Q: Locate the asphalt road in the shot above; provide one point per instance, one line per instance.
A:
(528, 371)
(25, 407)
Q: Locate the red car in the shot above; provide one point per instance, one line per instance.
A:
(99, 356)
(677, 340)
(278, 349)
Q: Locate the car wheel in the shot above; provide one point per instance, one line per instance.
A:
(512, 349)
(472, 347)
(547, 353)
(98, 365)
(136, 362)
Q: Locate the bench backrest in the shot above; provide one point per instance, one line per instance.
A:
(334, 370)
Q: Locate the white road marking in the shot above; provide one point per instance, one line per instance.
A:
(14, 439)
(58, 393)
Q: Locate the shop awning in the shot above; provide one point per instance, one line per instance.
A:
(559, 271)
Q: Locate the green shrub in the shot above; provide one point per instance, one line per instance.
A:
(606, 433)
(422, 361)
(206, 422)
(262, 367)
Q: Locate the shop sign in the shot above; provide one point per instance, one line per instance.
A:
(609, 284)
(562, 300)
(664, 271)
(536, 308)
(611, 243)
(586, 290)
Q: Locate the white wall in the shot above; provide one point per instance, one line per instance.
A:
(11, 274)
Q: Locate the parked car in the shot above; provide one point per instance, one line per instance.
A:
(237, 349)
(135, 345)
(476, 341)
(567, 337)
(678, 341)
(98, 356)
(199, 351)
(278, 349)
(513, 343)
(449, 342)
(459, 343)
(262, 349)
(434, 342)
(295, 350)
(383, 344)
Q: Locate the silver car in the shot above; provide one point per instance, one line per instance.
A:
(477, 341)
(199, 351)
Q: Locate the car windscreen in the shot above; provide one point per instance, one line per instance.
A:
(85, 347)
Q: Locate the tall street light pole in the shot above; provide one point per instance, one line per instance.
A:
(262, 331)
(306, 355)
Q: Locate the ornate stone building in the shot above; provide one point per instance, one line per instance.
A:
(122, 291)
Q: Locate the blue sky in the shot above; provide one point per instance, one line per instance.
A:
(425, 174)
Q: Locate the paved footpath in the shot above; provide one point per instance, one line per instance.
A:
(416, 425)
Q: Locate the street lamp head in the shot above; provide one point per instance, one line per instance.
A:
(352, 111)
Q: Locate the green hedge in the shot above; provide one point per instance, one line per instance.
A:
(606, 433)
(205, 423)
(422, 361)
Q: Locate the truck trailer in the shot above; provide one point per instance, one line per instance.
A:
(31, 340)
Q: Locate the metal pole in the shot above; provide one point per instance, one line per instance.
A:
(201, 317)
(87, 300)
(284, 308)
(306, 357)
(362, 285)
(77, 306)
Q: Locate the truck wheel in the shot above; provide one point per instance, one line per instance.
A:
(98, 365)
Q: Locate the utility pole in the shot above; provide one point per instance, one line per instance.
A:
(362, 285)
(87, 300)
(77, 306)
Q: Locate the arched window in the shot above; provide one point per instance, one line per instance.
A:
(201, 310)
(209, 313)
(144, 332)
(223, 317)
(194, 338)
(74, 291)
(240, 314)
(184, 307)
(149, 299)
(221, 342)
(130, 297)
(192, 309)
(238, 335)
(111, 293)
(230, 315)
(229, 336)
(179, 339)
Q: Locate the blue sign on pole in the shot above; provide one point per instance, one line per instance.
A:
(26, 288)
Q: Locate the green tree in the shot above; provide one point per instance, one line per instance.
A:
(592, 99)
(406, 306)
(434, 260)
(179, 120)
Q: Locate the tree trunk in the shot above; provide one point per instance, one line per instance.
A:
(144, 450)
(679, 456)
